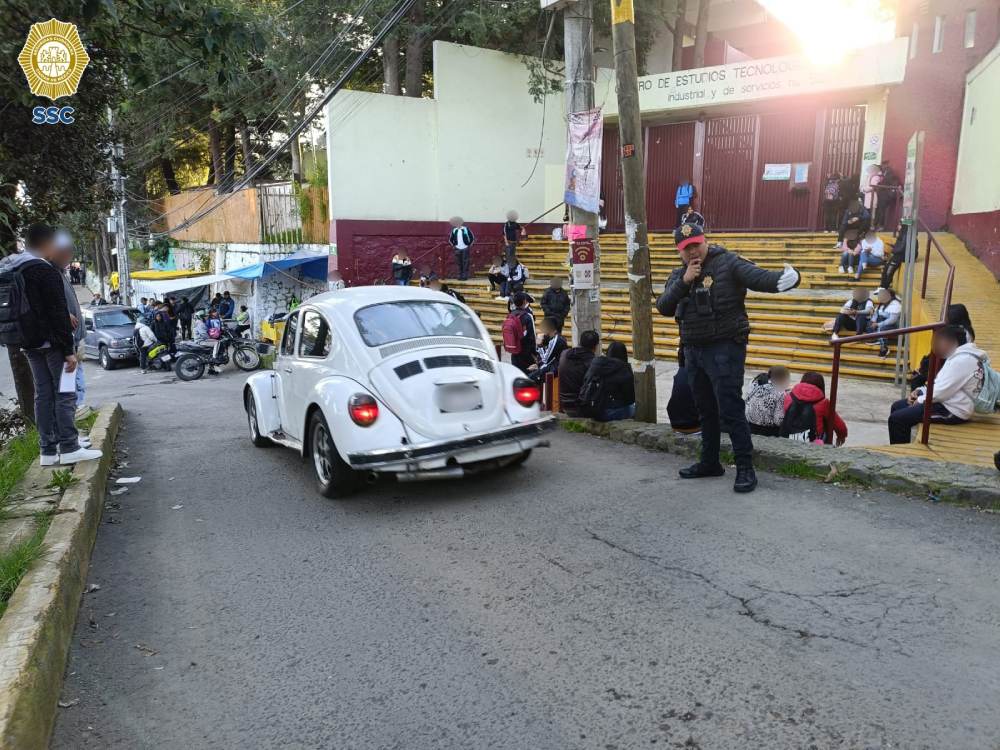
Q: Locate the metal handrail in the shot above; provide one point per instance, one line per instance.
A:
(900, 332)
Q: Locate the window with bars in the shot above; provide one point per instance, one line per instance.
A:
(938, 34)
(970, 29)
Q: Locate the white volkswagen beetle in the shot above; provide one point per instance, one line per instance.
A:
(392, 380)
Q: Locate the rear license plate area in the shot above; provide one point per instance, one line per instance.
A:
(453, 398)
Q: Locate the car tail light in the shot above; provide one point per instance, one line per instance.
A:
(527, 392)
(363, 409)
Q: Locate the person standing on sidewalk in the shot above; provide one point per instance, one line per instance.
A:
(64, 251)
(45, 333)
(461, 239)
(707, 296)
(185, 311)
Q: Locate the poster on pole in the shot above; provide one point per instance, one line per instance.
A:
(582, 253)
(583, 160)
(911, 183)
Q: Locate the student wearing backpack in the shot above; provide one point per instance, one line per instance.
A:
(766, 401)
(831, 202)
(37, 319)
(682, 199)
(519, 334)
(608, 392)
(957, 388)
(806, 412)
(461, 239)
(573, 366)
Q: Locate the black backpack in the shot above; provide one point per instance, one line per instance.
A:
(16, 315)
(593, 397)
(799, 423)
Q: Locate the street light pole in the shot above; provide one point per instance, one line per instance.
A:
(634, 188)
(578, 30)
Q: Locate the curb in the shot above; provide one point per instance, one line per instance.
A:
(36, 630)
(936, 481)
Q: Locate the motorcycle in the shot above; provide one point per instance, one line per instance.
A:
(192, 358)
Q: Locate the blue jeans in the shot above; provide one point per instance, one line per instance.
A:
(54, 411)
(868, 260)
(615, 413)
(715, 372)
(81, 387)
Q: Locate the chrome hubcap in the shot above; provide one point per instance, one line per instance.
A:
(321, 453)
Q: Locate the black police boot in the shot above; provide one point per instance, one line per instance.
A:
(746, 479)
(700, 470)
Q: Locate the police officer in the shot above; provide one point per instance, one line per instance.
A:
(707, 295)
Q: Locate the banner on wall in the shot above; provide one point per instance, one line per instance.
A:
(583, 160)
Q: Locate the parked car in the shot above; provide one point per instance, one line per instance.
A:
(396, 381)
(109, 330)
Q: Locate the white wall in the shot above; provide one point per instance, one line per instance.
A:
(977, 179)
(467, 151)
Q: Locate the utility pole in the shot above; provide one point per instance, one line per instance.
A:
(121, 228)
(578, 31)
(634, 184)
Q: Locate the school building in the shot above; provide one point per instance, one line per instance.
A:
(757, 131)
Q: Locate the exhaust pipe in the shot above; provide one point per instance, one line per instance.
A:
(452, 472)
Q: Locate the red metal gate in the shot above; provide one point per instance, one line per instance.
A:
(785, 138)
(729, 171)
(669, 159)
(611, 180)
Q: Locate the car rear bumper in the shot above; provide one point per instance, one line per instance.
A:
(520, 436)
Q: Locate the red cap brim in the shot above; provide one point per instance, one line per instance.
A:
(688, 240)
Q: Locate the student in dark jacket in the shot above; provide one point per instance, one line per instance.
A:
(185, 312)
(550, 349)
(511, 234)
(555, 301)
(162, 326)
(48, 345)
(573, 366)
(617, 384)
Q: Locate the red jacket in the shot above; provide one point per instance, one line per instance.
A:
(821, 405)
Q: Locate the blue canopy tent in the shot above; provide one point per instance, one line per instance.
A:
(310, 266)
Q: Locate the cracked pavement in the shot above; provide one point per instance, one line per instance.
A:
(588, 600)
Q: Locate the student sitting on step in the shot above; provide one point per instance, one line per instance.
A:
(766, 401)
(855, 313)
(806, 412)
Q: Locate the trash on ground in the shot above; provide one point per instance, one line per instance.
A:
(176, 507)
(93, 587)
(128, 480)
(68, 704)
(146, 650)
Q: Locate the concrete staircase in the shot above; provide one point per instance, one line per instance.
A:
(786, 328)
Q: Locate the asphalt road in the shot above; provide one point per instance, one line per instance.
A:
(587, 600)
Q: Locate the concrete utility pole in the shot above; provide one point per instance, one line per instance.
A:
(634, 184)
(120, 227)
(578, 30)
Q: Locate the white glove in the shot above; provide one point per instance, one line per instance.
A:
(789, 279)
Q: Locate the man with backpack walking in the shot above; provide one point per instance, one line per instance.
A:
(707, 296)
(37, 319)
(519, 334)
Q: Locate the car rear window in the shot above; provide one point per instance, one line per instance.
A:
(115, 318)
(396, 321)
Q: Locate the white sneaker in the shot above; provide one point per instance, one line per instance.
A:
(834, 337)
(84, 442)
(84, 454)
(840, 269)
(850, 269)
(48, 460)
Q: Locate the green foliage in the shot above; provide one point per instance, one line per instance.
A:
(62, 479)
(204, 261)
(159, 250)
(800, 470)
(14, 563)
(571, 426)
(15, 458)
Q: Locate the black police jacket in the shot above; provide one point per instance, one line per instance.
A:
(713, 307)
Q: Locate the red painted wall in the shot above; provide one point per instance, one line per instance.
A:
(981, 232)
(365, 248)
(931, 96)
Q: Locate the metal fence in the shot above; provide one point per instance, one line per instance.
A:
(280, 213)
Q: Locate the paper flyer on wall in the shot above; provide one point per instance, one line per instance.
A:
(583, 160)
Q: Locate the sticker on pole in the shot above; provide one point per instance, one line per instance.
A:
(622, 11)
(582, 253)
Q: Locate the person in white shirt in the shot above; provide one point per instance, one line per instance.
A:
(872, 253)
(886, 317)
(855, 313)
(145, 340)
(461, 239)
(955, 387)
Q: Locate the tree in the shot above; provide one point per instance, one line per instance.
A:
(701, 33)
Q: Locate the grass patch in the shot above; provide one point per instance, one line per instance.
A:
(62, 479)
(571, 426)
(15, 458)
(800, 470)
(87, 423)
(727, 457)
(15, 562)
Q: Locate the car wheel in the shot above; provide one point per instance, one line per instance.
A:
(255, 437)
(334, 478)
(104, 358)
(189, 367)
(246, 359)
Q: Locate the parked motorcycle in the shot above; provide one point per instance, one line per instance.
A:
(192, 358)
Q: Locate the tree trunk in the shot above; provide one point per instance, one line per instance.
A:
(217, 173)
(701, 34)
(24, 384)
(680, 26)
(390, 65)
(9, 219)
(415, 52)
(168, 176)
(244, 130)
(229, 156)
